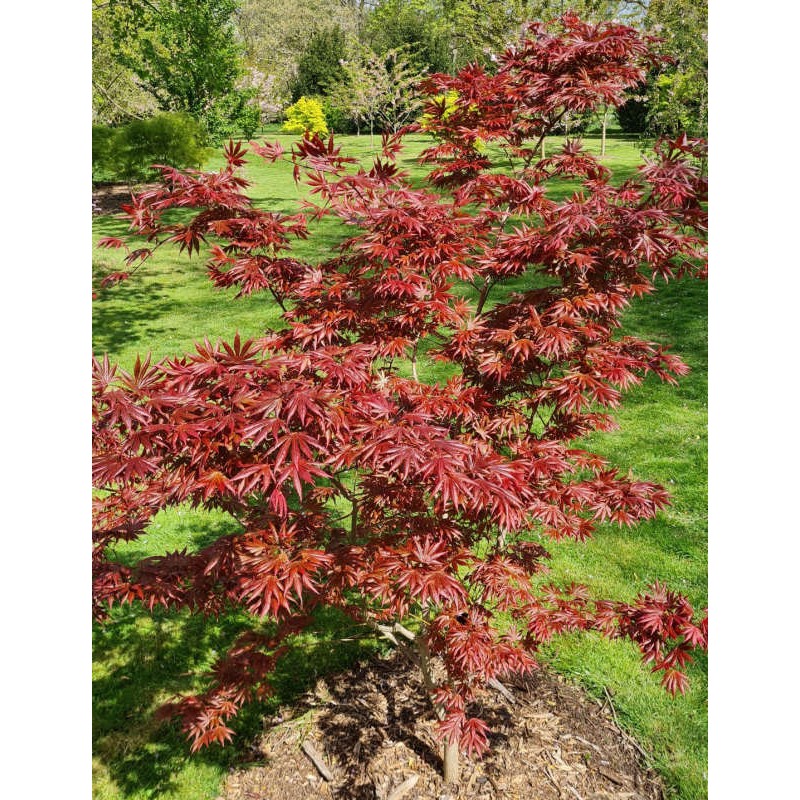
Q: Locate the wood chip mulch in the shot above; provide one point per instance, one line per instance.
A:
(371, 731)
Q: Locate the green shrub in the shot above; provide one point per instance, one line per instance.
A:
(306, 116)
(249, 120)
(231, 116)
(338, 118)
(102, 136)
(632, 115)
(450, 97)
(128, 152)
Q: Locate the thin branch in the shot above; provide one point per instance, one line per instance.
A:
(278, 299)
(344, 490)
(544, 135)
(487, 287)
(354, 521)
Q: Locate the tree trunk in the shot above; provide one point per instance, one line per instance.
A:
(603, 134)
(452, 767)
(450, 755)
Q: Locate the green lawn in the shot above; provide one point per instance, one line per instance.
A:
(140, 660)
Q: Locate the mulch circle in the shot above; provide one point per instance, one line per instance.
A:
(373, 729)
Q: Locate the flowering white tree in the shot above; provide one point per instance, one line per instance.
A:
(264, 91)
(378, 91)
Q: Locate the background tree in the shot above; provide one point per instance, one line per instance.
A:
(678, 92)
(357, 94)
(235, 113)
(320, 64)
(413, 25)
(632, 115)
(443, 35)
(183, 56)
(184, 52)
(117, 94)
(275, 33)
(628, 11)
(480, 29)
(378, 90)
(401, 101)
(264, 91)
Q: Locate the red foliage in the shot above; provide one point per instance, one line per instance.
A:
(360, 487)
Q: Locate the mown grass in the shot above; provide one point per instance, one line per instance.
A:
(142, 659)
(663, 436)
(171, 303)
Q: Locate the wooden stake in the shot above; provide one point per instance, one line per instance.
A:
(317, 760)
(495, 684)
(404, 788)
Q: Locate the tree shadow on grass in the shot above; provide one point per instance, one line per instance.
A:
(120, 314)
(142, 660)
(676, 314)
(276, 203)
(193, 532)
(115, 326)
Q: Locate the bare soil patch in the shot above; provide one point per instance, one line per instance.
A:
(373, 730)
(108, 198)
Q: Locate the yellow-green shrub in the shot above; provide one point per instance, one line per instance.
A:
(306, 116)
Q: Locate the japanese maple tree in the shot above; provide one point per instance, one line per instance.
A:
(408, 504)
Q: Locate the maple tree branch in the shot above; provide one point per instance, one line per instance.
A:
(507, 152)
(548, 129)
(485, 289)
(416, 649)
(278, 299)
(427, 677)
(343, 489)
(354, 521)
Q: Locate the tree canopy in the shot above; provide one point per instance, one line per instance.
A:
(276, 33)
(678, 95)
(320, 65)
(184, 52)
(117, 93)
